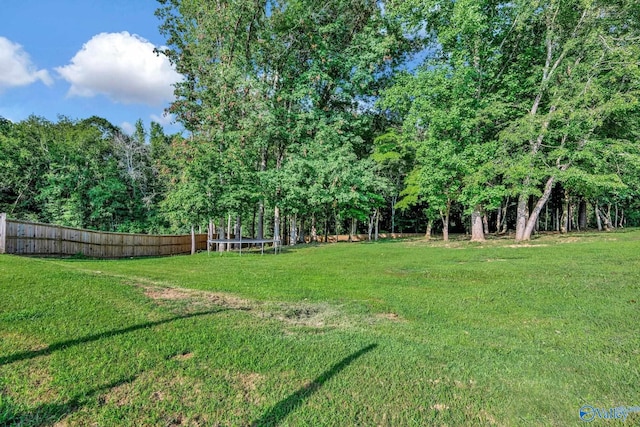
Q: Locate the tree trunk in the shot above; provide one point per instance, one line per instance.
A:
(314, 232)
(238, 231)
(276, 224)
(326, 230)
(210, 233)
(535, 213)
(293, 230)
(253, 223)
(221, 235)
(377, 224)
(261, 220)
(445, 221)
(394, 198)
(607, 219)
(351, 231)
(229, 232)
(263, 167)
(503, 230)
(582, 215)
(546, 217)
(477, 227)
(427, 233)
(596, 211)
(564, 222)
(300, 237)
(485, 223)
(522, 216)
(284, 230)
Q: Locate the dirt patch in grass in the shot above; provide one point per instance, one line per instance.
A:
(204, 298)
(154, 387)
(183, 356)
(166, 293)
(485, 417)
(185, 300)
(314, 315)
(439, 407)
(248, 382)
(120, 395)
(390, 316)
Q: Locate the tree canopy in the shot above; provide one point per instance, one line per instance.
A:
(306, 117)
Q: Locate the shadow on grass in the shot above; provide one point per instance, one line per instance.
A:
(49, 413)
(4, 360)
(282, 409)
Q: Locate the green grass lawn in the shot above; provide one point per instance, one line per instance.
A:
(388, 333)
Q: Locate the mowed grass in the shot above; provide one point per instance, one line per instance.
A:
(387, 333)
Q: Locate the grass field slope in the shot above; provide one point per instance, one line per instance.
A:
(397, 333)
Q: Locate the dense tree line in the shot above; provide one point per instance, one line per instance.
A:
(83, 173)
(521, 101)
(306, 118)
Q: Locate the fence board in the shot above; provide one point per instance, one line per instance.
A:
(28, 238)
(3, 233)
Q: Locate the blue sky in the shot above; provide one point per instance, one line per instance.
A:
(80, 58)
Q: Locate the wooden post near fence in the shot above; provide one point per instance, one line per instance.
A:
(193, 240)
(3, 233)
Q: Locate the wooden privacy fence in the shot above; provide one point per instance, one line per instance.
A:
(30, 238)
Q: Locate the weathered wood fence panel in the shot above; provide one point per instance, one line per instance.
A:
(3, 233)
(29, 238)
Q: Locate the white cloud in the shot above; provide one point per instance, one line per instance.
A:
(123, 67)
(128, 128)
(16, 68)
(165, 119)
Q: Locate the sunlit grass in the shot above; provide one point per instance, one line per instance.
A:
(388, 333)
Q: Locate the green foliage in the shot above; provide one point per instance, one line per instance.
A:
(279, 92)
(514, 94)
(342, 108)
(83, 173)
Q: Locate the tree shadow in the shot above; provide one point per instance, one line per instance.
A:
(49, 413)
(4, 360)
(282, 409)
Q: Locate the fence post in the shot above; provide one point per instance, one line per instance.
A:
(3, 233)
(193, 240)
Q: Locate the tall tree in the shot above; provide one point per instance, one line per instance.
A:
(264, 78)
(582, 70)
(522, 91)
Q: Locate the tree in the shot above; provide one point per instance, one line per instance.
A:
(448, 107)
(263, 79)
(582, 71)
(519, 94)
(394, 158)
(81, 173)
